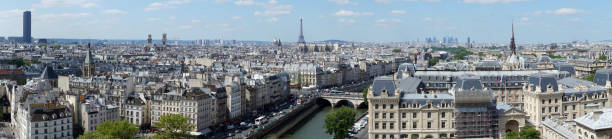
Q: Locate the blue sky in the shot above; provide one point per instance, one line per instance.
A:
(536, 21)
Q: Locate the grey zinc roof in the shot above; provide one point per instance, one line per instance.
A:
(544, 81)
(409, 85)
(424, 98)
(407, 67)
(573, 87)
(48, 74)
(561, 129)
(566, 67)
(467, 82)
(603, 121)
(603, 75)
(383, 83)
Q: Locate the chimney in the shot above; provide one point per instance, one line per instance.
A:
(596, 114)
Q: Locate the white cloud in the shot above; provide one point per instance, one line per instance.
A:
(346, 21)
(352, 13)
(237, 17)
(185, 27)
(427, 19)
(166, 4)
(113, 11)
(89, 5)
(195, 21)
(394, 20)
(220, 1)
(64, 16)
(398, 12)
(153, 19)
(171, 17)
(564, 11)
(275, 10)
(11, 13)
(574, 19)
(273, 1)
(492, 1)
(66, 3)
(273, 19)
(524, 18)
(245, 2)
(344, 2)
(389, 1)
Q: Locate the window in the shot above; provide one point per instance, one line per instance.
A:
(414, 124)
(428, 114)
(376, 115)
(391, 115)
(573, 107)
(555, 109)
(391, 125)
(543, 110)
(443, 124)
(414, 115)
(384, 115)
(376, 136)
(404, 125)
(376, 106)
(384, 126)
(428, 124)
(403, 115)
(384, 106)
(376, 126)
(391, 106)
(443, 114)
(565, 108)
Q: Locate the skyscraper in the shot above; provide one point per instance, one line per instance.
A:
(164, 39)
(27, 27)
(301, 37)
(149, 40)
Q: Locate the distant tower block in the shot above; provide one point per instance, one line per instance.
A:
(149, 40)
(278, 44)
(301, 37)
(164, 39)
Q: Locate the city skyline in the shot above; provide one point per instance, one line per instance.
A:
(350, 20)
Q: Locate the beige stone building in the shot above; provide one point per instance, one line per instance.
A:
(569, 97)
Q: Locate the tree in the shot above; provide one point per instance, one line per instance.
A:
(589, 78)
(512, 135)
(433, 62)
(57, 46)
(365, 95)
(113, 130)
(528, 132)
(481, 54)
(396, 50)
(174, 126)
(94, 135)
(339, 122)
(602, 58)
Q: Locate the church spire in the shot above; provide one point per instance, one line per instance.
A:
(512, 43)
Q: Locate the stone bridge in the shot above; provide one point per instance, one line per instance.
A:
(352, 99)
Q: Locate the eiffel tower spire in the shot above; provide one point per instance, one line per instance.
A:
(301, 37)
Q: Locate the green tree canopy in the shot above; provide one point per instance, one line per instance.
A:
(174, 126)
(433, 61)
(527, 132)
(365, 95)
(338, 122)
(112, 130)
(589, 78)
(397, 50)
(602, 57)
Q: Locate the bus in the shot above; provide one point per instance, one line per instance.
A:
(260, 120)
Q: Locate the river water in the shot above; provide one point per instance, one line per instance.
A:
(312, 127)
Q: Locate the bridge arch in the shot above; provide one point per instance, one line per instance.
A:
(323, 102)
(344, 102)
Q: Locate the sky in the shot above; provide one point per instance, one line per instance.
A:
(536, 21)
